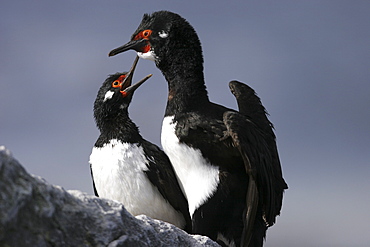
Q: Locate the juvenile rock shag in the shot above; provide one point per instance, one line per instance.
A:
(226, 160)
(127, 168)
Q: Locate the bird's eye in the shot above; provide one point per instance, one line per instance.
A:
(143, 34)
(116, 83)
(147, 33)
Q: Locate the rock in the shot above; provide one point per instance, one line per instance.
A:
(35, 213)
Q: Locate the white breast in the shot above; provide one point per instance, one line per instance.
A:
(199, 179)
(118, 172)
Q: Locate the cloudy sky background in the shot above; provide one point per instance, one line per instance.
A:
(309, 61)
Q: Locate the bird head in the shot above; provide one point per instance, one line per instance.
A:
(116, 92)
(161, 35)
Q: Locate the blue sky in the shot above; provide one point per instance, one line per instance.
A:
(308, 61)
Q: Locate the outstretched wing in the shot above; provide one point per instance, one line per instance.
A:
(247, 139)
(163, 176)
(252, 133)
(250, 106)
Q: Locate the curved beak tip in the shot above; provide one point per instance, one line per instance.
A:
(132, 88)
(114, 52)
(136, 45)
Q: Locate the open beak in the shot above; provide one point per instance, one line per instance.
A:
(131, 89)
(126, 87)
(128, 79)
(136, 45)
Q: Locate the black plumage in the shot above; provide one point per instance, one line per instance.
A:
(112, 119)
(240, 144)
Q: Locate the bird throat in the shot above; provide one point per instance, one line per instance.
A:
(150, 55)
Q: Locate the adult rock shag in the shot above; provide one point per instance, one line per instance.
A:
(226, 160)
(127, 168)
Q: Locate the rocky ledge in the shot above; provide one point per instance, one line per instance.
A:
(35, 213)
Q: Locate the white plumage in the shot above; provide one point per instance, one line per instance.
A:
(199, 179)
(118, 172)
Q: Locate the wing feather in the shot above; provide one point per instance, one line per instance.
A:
(269, 172)
(163, 176)
(252, 134)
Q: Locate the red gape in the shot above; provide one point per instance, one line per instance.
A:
(144, 35)
(124, 94)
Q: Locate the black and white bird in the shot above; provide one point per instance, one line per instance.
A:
(226, 160)
(127, 168)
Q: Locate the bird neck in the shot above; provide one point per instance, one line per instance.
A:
(118, 126)
(186, 86)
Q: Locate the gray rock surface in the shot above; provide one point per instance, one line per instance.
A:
(35, 213)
